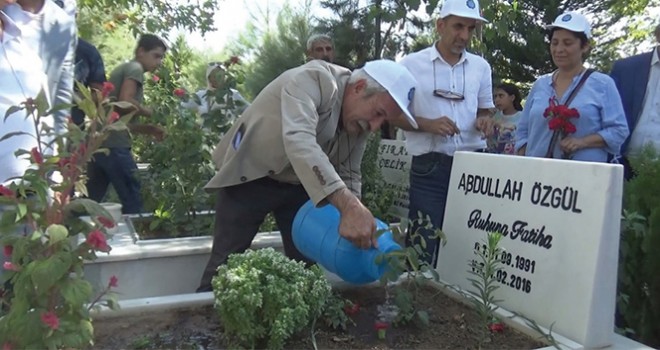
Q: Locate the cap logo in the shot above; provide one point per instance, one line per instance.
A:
(470, 4)
(566, 18)
(411, 93)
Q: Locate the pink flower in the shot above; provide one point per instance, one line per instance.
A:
(36, 156)
(155, 78)
(114, 116)
(8, 250)
(50, 319)
(6, 192)
(96, 239)
(113, 282)
(496, 327)
(7, 346)
(9, 266)
(107, 88)
(107, 223)
(179, 92)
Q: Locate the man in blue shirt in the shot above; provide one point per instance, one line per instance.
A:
(89, 70)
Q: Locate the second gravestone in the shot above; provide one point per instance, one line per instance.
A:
(561, 224)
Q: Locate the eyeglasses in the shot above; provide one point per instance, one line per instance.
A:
(447, 94)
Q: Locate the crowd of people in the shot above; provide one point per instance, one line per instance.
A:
(303, 136)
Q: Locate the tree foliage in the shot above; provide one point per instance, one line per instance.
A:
(273, 48)
(145, 16)
(514, 42)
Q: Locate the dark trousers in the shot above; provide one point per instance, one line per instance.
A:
(240, 210)
(119, 169)
(429, 186)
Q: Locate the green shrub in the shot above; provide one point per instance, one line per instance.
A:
(638, 299)
(263, 297)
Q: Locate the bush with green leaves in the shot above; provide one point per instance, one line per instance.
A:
(181, 164)
(638, 299)
(263, 297)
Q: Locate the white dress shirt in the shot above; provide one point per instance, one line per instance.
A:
(21, 79)
(647, 130)
(471, 77)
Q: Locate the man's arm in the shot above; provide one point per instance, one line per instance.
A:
(357, 223)
(64, 89)
(127, 93)
(307, 93)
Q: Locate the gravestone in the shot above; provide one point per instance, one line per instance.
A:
(394, 164)
(561, 223)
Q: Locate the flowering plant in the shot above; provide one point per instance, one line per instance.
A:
(46, 301)
(559, 122)
(263, 297)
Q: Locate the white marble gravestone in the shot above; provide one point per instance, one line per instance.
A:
(561, 224)
(394, 164)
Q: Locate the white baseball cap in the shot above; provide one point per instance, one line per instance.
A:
(574, 22)
(397, 80)
(462, 8)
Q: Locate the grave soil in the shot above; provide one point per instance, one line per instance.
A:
(453, 325)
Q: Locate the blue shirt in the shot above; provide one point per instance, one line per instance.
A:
(89, 69)
(601, 112)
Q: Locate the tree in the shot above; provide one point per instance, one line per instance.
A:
(382, 28)
(269, 51)
(144, 16)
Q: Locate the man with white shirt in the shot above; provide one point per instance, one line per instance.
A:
(20, 81)
(51, 32)
(452, 108)
(638, 80)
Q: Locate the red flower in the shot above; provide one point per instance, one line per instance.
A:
(107, 223)
(113, 282)
(155, 78)
(96, 239)
(9, 266)
(381, 328)
(351, 309)
(36, 156)
(179, 92)
(50, 319)
(559, 116)
(8, 250)
(114, 116)
(63, 162)
(6, 192)
(107, 88)
(496, 327)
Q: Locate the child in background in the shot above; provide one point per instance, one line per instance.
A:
(507, 101)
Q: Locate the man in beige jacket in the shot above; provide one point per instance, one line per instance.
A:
(303, 138)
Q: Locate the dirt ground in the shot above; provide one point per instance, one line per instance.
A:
(452, 326)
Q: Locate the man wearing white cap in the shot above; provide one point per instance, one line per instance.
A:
(452, 108)
(303, 138)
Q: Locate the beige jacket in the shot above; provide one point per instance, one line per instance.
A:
(291, 134)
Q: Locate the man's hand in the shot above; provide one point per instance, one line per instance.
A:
(158, 132)
(485, 125)
(357, 224)
(442, 126)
